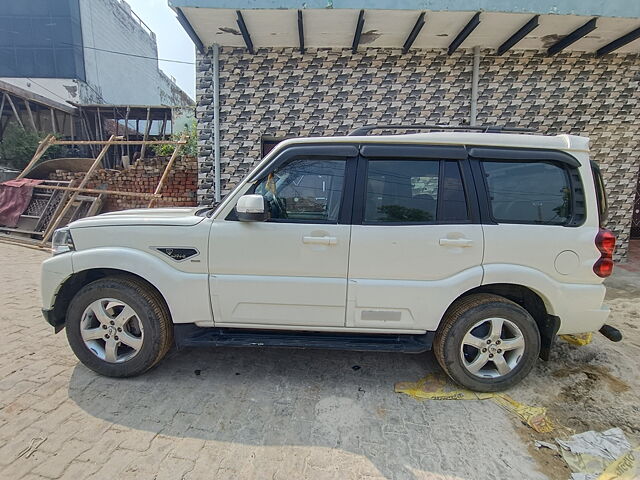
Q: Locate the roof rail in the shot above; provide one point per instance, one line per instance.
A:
(363, 131)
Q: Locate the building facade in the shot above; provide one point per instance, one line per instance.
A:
(64, 49)
(575, 72)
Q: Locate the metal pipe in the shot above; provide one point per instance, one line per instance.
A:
(216, 120)
(474, 86)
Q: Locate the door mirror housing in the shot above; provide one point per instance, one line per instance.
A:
(252, 208)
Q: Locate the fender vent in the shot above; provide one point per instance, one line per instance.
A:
(178, 254)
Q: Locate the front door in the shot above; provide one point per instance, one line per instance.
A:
(290, 271)
(416, 244)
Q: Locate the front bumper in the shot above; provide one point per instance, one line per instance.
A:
(55, 271)
(56, 321)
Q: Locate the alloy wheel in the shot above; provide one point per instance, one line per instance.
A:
(112, 330)
(492, 348)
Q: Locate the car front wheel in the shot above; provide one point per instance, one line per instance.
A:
(487, 343)
(118, 326)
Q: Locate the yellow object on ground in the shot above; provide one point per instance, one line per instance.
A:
(579, 340)
(626, 467)
(535, 417)
(435, 387)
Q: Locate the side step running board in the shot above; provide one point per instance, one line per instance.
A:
(189, 335)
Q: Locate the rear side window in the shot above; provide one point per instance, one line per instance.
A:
(601, 194)
(454, 203)
(402, 191)
(416, 191)
(528, 192)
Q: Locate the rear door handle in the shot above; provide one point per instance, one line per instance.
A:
(456, 242)
(320, 240)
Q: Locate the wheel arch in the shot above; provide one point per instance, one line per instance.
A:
(76, 281)
(533, 302)
(185, 293)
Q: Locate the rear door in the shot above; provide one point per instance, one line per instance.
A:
(416, 242)
(534, 213)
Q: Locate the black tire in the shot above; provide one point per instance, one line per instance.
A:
(151, 311)
(458, 321)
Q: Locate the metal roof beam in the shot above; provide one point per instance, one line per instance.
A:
(573, 37)
(301, 31)
(414, 33)
(466, 31)
(358, 34)
(244, 31)
(190, 31)
(619, 42)
(519, 35)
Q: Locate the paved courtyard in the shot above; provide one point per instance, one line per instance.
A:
(250, 413)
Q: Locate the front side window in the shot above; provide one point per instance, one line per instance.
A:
(528, 192)
(401, 191)
(304, 190)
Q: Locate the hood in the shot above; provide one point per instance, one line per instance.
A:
(179, 217)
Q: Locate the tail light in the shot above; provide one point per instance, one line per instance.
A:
(606, 243)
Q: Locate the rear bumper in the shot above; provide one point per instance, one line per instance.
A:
(579, 307)
(581, 321)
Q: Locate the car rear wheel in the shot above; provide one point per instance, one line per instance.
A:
(487, 343)
(118, 326)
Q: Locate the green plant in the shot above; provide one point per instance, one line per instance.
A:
(18, 146)
(189, 150)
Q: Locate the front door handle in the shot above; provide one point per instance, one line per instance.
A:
(456, 242)
(320, 240)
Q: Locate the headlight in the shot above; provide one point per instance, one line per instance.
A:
(62, 241)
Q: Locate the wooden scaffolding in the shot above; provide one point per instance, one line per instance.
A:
(61, 202)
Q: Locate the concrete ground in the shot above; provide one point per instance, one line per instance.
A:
(282, 414)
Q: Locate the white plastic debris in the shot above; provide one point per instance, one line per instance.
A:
(588, 454)
(550, 446)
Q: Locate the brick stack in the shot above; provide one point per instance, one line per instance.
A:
(179, 189)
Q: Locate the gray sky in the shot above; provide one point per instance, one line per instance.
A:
(173, 42)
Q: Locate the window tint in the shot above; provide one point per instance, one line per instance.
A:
(401, 191)
(305, 190)
(454, 202)
(536, 192)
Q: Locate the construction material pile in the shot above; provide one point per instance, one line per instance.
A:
(143, 176)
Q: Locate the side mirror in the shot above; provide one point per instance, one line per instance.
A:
(252, 208)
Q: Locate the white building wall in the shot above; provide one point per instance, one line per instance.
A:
(58, 89)
(122, 79)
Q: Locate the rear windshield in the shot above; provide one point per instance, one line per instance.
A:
(601, 193)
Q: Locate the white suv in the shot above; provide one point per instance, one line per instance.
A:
(484, 246)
